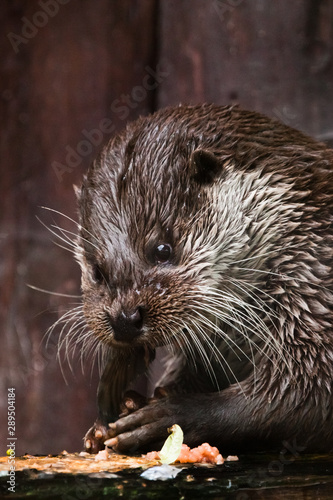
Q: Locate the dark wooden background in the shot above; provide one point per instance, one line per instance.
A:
(67, 66)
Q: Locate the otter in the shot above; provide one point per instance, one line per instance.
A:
(207, 231)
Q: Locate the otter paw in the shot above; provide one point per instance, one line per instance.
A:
(146, 428)
(95, 437)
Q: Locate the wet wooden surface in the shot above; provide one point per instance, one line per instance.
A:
(253, 477)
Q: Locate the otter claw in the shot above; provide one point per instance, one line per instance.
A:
(95, 437)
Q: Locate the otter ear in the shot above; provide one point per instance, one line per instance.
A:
(205, 166)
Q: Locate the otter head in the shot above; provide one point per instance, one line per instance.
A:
(164, 217)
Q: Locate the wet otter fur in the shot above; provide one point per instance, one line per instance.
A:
(209, 230)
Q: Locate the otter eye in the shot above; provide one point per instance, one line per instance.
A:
(162, 253)
(97, 274)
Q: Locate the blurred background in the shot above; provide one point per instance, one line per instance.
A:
(73, 72)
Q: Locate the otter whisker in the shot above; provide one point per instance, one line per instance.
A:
(232, 322)
(70, 250)
(65, 232)
(266, 304)
(73, 244)
(259, 304)
(219, 332)
(49, 292)
(67, 336)
(77, 224)
(181, 339)
(64, 239)
(73, 334)
(167, 340)
(227, 299)
(67, 316)
(91, 349)
(215, 352)
(257, 319)
(65, 235)
(62, 215)
(202, 351)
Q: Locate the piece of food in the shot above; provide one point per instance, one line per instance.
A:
(172, 447)
(102, 455)
(204, 454)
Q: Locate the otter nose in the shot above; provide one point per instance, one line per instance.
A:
(128, 324)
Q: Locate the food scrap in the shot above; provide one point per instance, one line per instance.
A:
(174, 451)
(172, 447)
(204, 454)
(102, 455)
